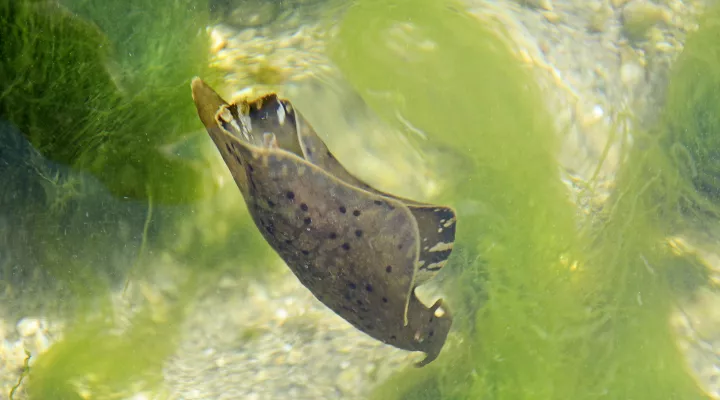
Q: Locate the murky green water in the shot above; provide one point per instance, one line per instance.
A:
(585, 262)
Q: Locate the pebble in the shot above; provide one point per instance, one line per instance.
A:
(552, 17)
(546, 5)
(295, 357)
(631, 73)
(601, 16)
(246, 35)
(13, 354)
(28, 326)
(665, 47)
(218, 41)
(140, 396)
(281, 314)
(640, 16)
(347, 380)
(41, 343)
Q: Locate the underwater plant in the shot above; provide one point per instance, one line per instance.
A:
(101, 93)
(691, 117)
(555, 307)
(105, 184)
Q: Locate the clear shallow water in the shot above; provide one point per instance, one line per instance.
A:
(540, 309)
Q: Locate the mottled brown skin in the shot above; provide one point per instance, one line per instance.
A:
(361, 252)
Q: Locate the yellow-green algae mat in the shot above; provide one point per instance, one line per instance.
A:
(545, 306)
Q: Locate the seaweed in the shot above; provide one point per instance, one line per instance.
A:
(105, 94)
(25, 371)
(108, 177)
(690, 119)
(553, 307)
(99, 358)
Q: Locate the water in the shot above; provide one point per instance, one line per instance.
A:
(574, 139)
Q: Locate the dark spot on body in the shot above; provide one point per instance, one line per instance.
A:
(369, 327)
(288, 241)
(369, 287)
(333, 235)
(229, 149)
(346, 246)
(384, 299)
(356, 213)
(342, 209)
(270, 228)
(400, 246)
(270, 203)
(308, 150)
(388, 269)
(304, 207)
(305, 252)
(352, 285)
(290, 195)
(431, 333)
(307, 221)
(250, 167)
(379, 202)
(329, 154)
(253, 186)
(393, 337)
(359, 302)
(358, 233)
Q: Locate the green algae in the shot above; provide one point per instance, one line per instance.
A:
(97, 93)
(691, 118)
(107, 176)
(513, 220)
(95, 360)
(83, 265)
(104, 93)
(25, 371)
(546, 305)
